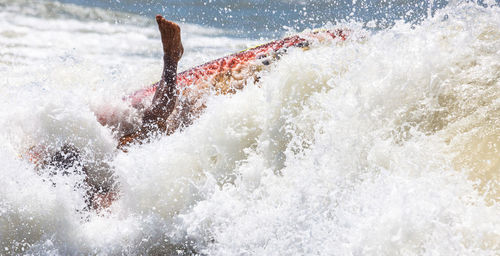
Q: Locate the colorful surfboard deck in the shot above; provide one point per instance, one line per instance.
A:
(228, 74)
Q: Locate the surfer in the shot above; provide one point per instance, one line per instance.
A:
(178, 99)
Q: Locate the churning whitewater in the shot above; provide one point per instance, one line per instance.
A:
(384, 144)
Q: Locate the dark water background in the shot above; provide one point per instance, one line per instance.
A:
(268, 18)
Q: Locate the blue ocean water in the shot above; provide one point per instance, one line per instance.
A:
(270, 18)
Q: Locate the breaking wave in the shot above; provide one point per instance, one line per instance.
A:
(387, 143)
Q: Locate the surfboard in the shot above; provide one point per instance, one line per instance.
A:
(228, 74)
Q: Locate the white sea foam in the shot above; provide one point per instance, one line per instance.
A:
(384, 144)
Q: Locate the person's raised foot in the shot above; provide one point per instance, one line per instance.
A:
(170, 38)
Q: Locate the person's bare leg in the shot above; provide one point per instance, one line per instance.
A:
(165, 97)
(166, 94)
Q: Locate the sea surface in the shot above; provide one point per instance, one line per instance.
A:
(387, 143)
